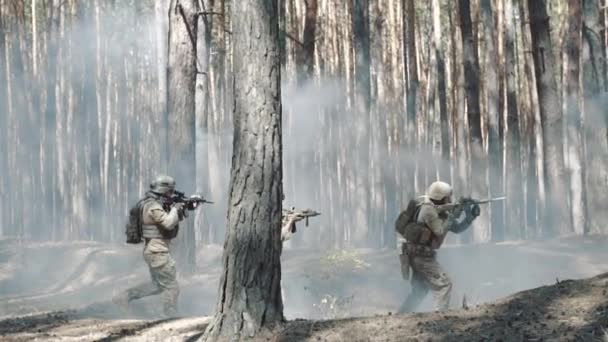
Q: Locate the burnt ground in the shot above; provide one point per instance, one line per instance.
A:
(61, 292)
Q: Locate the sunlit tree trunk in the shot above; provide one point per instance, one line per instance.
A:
(556, 218)
(181, 86)
(249, 292)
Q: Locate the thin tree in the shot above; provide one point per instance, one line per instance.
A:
(362, 97)
(573, 44)
(471, 79)
(444, 170)
(305, 59)
(493, 96)
(514, 186)
(249, 294)
(594, 82)
(411, 66)
(556, 217)
(181, 78)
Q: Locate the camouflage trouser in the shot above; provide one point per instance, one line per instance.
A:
(427, 274)
(164, 281)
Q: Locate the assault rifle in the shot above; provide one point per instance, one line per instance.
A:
(465, 202)
(190, 202)
(302, 213)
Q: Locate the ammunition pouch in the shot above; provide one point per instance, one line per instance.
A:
(418, 250)
(418, 233)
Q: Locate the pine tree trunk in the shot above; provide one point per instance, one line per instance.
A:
(361, 36)
(444, 170)
(181, 78)
(497, 227)
(202, 113)
(573, 45)
(513, 163)
(4, 203)
(249, 292)
(594, 83)
(471, 78)
(556, 217)
(411, 67)
(305, 59)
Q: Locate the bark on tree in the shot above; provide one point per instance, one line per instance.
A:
(573, 45)
(181, 78)
(556, 217)
(249, 292)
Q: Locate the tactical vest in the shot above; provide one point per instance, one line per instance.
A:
(151, 231)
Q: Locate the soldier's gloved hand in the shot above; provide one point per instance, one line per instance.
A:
(475, 210)
(296, 217)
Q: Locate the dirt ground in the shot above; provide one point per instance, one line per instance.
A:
(61, 292)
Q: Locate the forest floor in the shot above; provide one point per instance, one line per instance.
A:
(62, 291)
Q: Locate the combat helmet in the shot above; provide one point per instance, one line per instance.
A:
(162, 183)
(439, 190)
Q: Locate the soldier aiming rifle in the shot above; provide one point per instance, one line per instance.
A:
(189, 202)
(424, 226)
(154, 220)
(293, 215)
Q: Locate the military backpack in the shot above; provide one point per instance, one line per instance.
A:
(133, 228)
(407, 224)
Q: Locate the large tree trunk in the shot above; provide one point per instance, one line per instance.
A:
(249, 292)
(181, 78)
(471, 79)
(573, 46)
(556, 217)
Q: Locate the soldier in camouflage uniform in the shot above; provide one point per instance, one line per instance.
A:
(421, 255)
(159, 227)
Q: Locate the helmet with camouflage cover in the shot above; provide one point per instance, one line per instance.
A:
(162, 184)
(439, 190)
